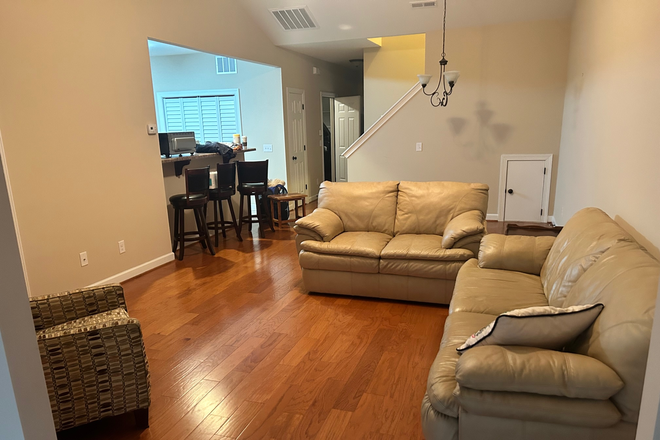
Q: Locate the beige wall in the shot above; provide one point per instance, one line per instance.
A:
(390, 71)
(508, 100)
(610, 144)
(75, 98)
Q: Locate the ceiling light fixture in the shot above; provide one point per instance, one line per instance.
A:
(448, 77)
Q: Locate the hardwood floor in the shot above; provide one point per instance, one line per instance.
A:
(237, 349)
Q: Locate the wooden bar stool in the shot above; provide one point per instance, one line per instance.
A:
(195, 198)
(226, 188)
(253, 181)
(277, 202)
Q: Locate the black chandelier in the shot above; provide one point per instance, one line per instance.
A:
(447, 77)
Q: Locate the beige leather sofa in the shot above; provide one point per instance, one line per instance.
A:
(399, 240)
(494, 392)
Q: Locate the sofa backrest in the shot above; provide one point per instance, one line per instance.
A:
(625, 279)
(362, 206)
(427, 207)
(586, 236)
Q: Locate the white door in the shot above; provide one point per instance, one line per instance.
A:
(297, 150)
(523, 197)
(347, 130)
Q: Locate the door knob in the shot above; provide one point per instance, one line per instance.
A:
(510, 191)
(295, 158)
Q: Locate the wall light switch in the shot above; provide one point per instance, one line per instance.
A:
(83, 259)
(152, 129)
(418, 147)
(268, 148)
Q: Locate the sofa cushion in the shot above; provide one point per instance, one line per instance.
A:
(495, 291)
(442, 376)
(427, 207)
(586, 236)
(343, 263)
(422, 247)
(625, 279)
(514, 252)
(361, 206)
(358, 244)
(444, 270)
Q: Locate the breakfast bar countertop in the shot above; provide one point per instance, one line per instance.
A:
(198, 156)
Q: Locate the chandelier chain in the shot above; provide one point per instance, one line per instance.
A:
(444, 26)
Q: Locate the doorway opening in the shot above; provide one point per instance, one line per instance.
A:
(341, 122)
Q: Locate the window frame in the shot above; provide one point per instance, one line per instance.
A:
(160, 102)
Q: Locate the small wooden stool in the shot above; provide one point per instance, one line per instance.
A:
(276, 200)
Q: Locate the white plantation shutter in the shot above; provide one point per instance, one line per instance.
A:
(214, 118)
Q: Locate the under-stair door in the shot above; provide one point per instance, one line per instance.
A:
(347, 131)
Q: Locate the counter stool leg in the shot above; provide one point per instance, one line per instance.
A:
(239, 230)
(222, 224)
(260, 218)
(200, 231)
(205, 231)
(182, 230)
(175, 230)
(249, 207)
(233, 217)
(215, 218)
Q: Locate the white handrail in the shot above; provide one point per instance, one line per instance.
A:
(414, 90)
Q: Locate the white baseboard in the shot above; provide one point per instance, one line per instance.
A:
(492, 217)
(137, 270)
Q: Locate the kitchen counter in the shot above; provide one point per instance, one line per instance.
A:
(180, 162)
(199, 156)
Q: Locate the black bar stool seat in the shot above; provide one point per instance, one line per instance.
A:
(226, 178)
(195, 198)
(253, 181)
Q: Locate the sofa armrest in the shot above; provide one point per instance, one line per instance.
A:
(461, 226)
(514, 252)
(58, 308)
(536, 371)
(322, 222)
(86, 361)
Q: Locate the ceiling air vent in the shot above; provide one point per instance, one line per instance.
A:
(423, 4)
(294, 18)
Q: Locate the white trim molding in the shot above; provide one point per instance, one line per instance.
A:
(547, 182)
(492, 217)
(137, 270)
(414, 90)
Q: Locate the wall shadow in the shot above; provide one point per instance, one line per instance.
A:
(487, 137)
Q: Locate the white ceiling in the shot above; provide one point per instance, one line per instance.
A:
(344, 25)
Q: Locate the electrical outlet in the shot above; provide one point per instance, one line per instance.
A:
(418, 147)
(83, 259)
(268, 148)
(152, 129)
(122, 247)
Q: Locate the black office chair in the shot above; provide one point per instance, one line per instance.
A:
(225, 190)
(195, 198)
(253, 181)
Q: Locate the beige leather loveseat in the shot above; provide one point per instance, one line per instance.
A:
(590, 391)
(399, 240)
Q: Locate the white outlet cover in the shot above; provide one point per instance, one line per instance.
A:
(83, 259)
(122, 247)
(418, 146)
(268, 148)
(152, 129)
